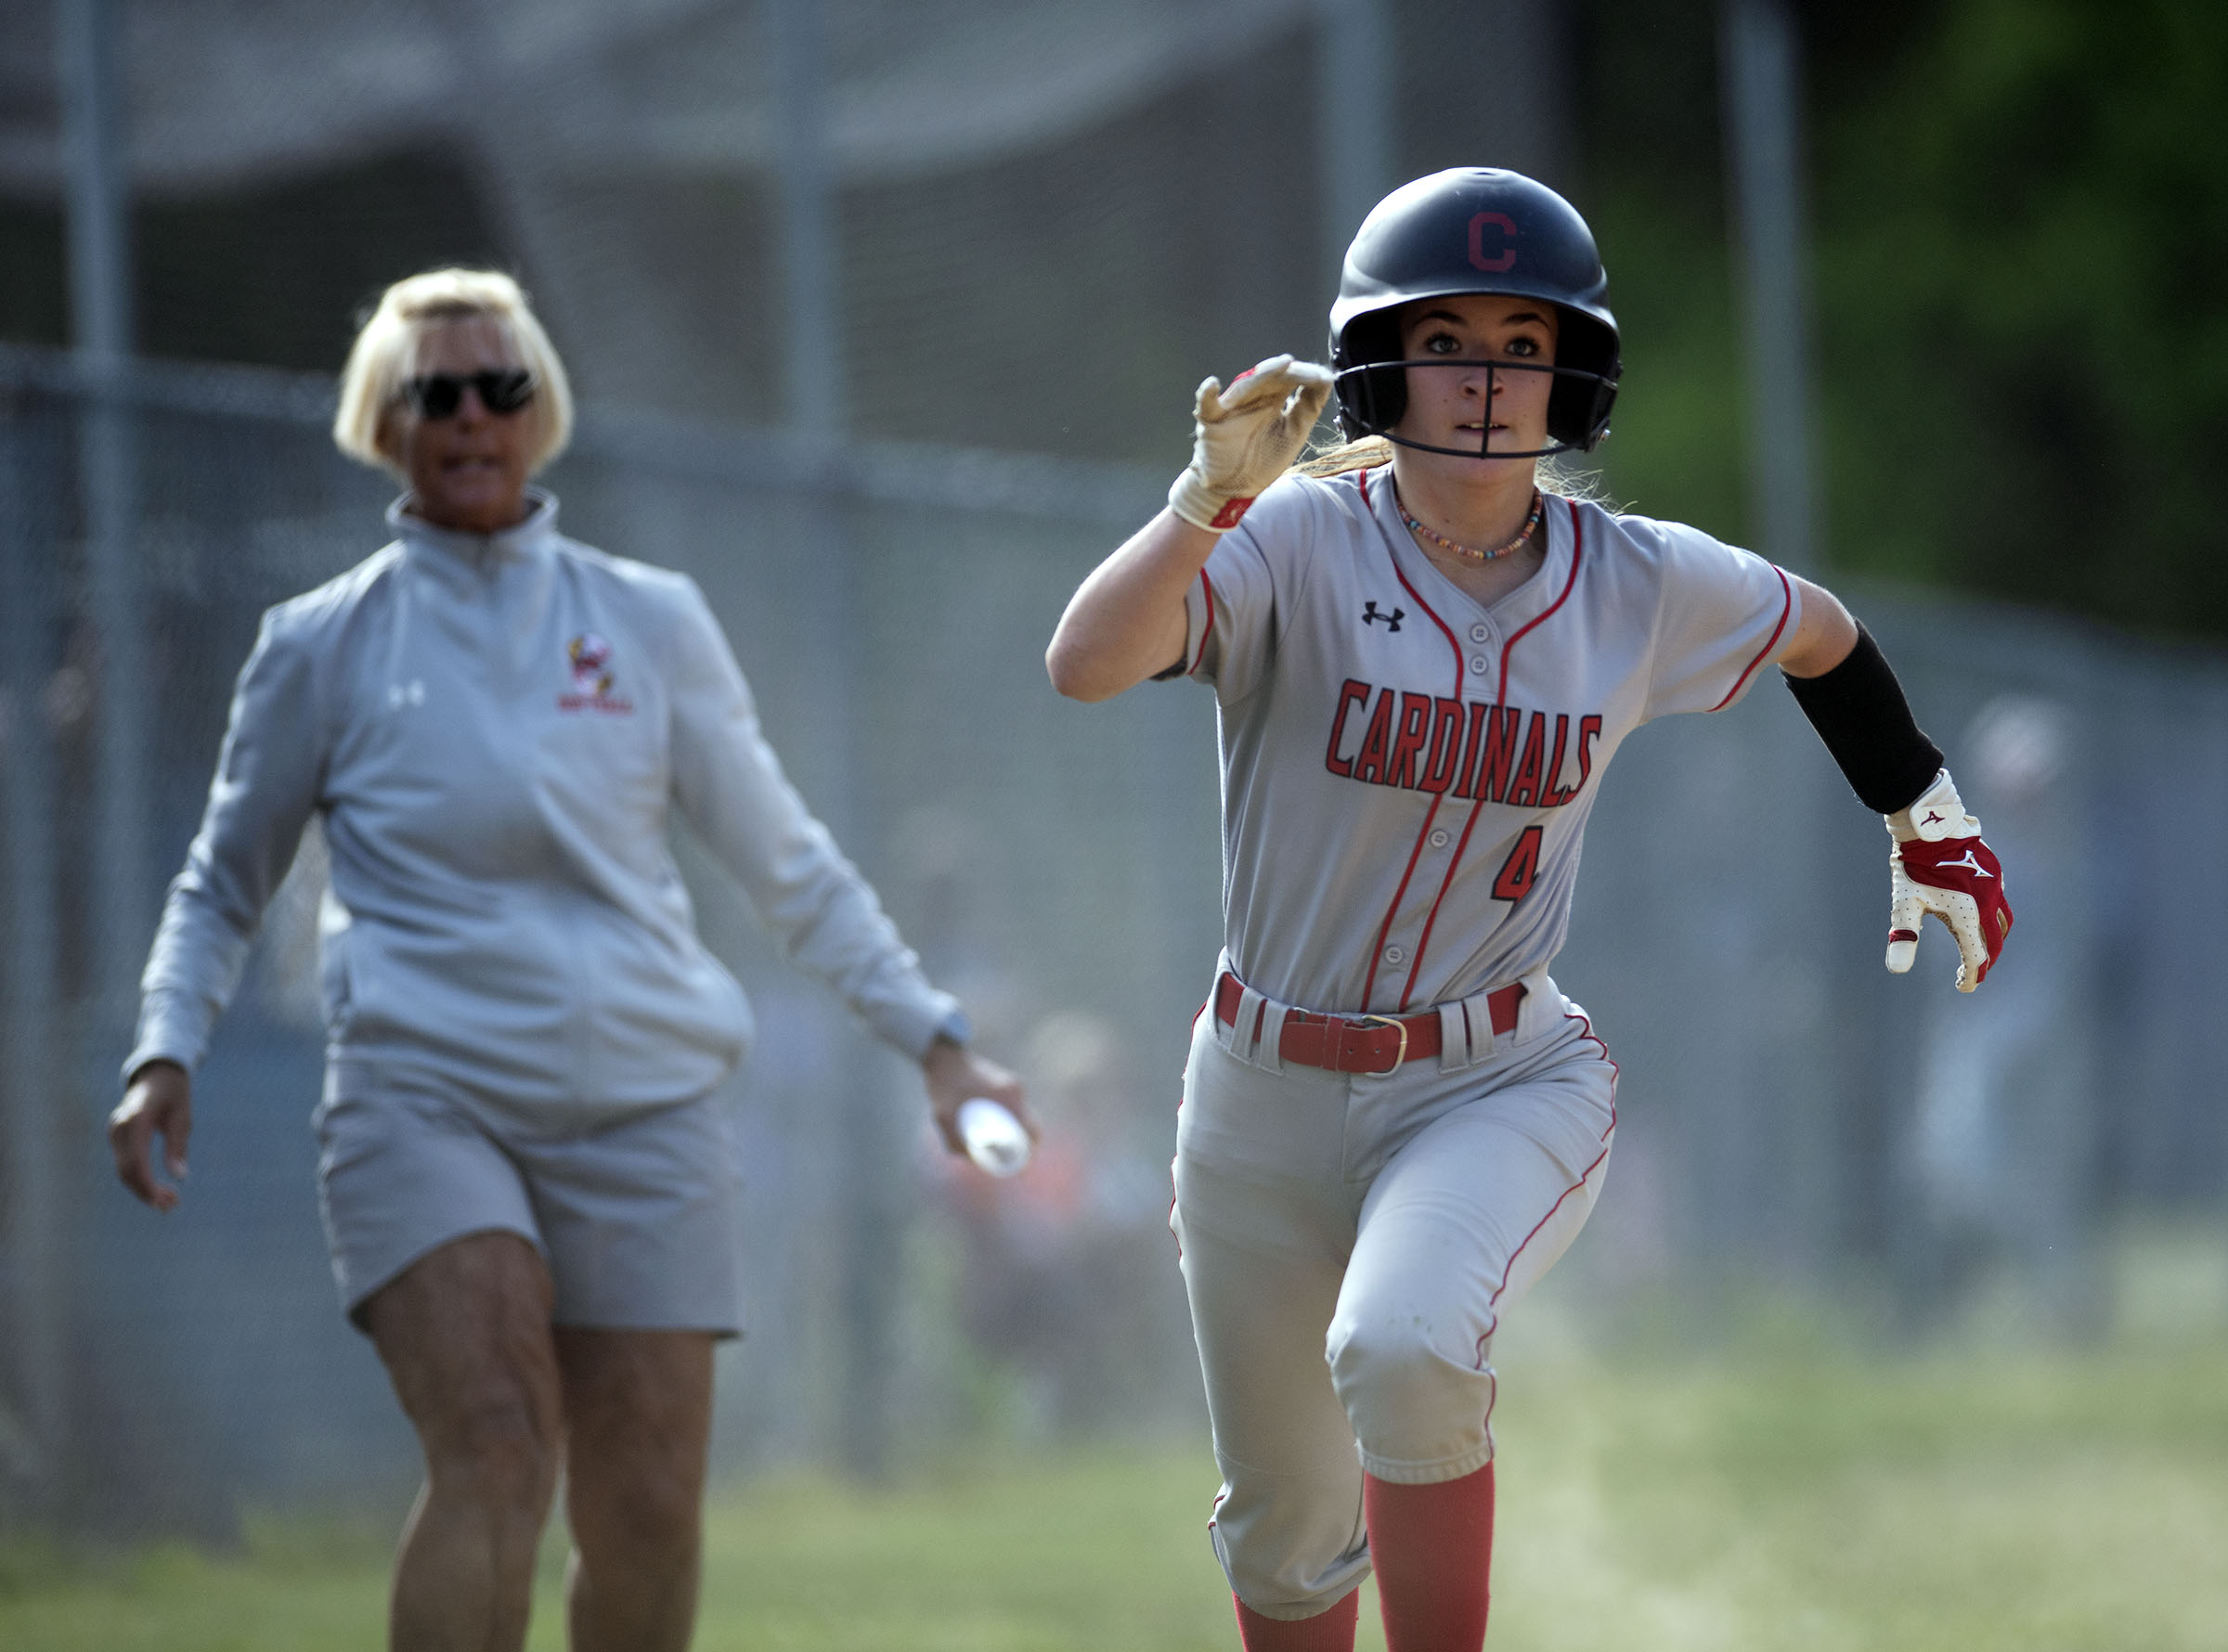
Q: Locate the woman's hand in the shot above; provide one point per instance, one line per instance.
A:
(1245, 437)
(1126, 622)
(1964, 889)
(157, 1102)
(955, 1074)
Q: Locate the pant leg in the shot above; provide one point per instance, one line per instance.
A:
(1464, 1217)
(1265, 1219)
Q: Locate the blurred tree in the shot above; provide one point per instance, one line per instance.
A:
(2020, 210)
(2022, 229)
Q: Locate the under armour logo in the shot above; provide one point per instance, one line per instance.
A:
(402, 694)
(1972, 864)
(1933, 818)
(1370, 616)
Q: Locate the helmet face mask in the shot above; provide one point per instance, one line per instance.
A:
(1366, 392)
(1474, 230)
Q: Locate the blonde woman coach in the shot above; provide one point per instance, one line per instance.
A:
(528, 1187)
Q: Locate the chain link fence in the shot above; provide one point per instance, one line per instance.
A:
(1789, 1112)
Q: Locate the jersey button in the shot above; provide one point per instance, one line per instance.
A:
(1477, 664)
(1477, 633)
(1394, 955)
(1438, 840)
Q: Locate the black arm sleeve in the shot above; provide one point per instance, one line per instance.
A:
(1858, 710)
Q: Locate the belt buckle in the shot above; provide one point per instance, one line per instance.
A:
(1400, 1056)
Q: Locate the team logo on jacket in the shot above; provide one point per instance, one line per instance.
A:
(589, 657)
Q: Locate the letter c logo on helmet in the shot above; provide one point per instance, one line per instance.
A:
(1506, 258)
(1460, 231)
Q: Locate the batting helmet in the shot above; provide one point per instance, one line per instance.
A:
(1473, 229)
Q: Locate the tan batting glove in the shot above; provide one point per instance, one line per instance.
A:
(1939, 865)
(1246, 436)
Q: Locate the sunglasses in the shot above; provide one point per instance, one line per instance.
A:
(438, 396)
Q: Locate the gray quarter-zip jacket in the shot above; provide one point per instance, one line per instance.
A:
(492, 728)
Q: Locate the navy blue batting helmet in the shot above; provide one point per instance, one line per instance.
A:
(1473, 229)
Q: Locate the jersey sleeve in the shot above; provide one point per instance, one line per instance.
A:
(1722, 615)
(730, 785)
(268, 776)
(1232, 609)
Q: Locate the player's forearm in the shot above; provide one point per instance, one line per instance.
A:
(1853, 700)
(1126, 622)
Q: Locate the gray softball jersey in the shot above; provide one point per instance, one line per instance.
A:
(1406, 775)
(493, 729)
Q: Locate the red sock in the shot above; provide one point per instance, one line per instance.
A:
(1326, 1631)
(1432, 1548)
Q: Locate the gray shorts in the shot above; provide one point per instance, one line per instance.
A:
(634, 1213)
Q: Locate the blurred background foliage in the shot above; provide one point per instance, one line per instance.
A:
(2021, 234)
(2020, 211)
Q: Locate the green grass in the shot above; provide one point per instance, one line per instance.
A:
(1794, 1498)
(2007, 1502)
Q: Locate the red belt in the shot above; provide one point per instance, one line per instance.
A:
(1360, 1043)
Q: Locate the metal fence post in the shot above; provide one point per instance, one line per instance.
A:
(100, 305)
(33, 1389)
(868, 1156)
(1353, 115)
(1762, 94)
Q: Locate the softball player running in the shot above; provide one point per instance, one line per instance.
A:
(1424, 658)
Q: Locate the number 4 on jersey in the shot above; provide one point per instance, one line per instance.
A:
(1515, 878)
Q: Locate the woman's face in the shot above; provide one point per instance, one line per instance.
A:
(467, 469)
(1448, 407)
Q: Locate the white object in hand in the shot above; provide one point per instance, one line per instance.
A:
(994, 1137)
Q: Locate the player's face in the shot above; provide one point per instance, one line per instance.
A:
(1450, 407)
(467, 468)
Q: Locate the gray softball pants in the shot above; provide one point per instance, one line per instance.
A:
(1349, 1246)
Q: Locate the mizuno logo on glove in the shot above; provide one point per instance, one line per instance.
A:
(1927, 835)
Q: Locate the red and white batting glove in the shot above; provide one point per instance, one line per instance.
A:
(1939, 865)
(1245, 437)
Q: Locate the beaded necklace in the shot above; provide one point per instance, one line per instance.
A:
(1471, 552)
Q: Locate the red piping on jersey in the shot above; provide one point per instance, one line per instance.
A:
(1445, 630)
(1476, 807)
(1786, 608)
(1493, 1302)
(1207, 630)
(1578, 556)
(1376, 952)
